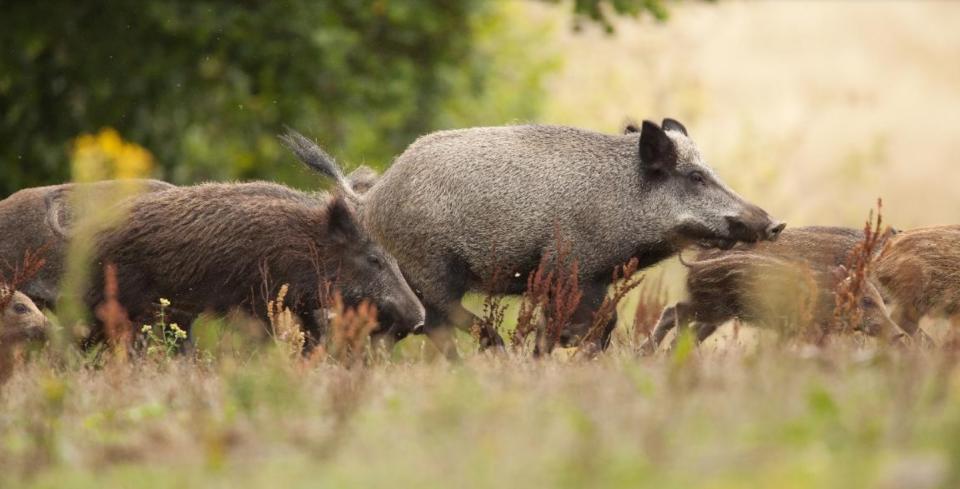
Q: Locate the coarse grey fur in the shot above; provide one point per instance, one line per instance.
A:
(458, 206)
(362, 179)
(39, 219)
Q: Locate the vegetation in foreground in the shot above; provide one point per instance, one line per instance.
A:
(245, 414)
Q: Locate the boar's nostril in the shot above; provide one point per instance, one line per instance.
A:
(418, 328)
(775, 229)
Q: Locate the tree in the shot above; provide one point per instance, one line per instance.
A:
(206, 84)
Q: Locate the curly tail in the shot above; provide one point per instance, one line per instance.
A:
(318, 160)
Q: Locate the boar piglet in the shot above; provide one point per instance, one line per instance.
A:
(20, 323)
(919, 271)
(20, 319)
(785, 284)
(221, 247)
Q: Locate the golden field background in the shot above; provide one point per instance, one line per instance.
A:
(812, 110)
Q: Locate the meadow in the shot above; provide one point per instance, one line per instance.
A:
(846, 415)
(812, 110)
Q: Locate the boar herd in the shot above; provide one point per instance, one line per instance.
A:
(455, 209)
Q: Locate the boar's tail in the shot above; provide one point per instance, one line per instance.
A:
(317, 159)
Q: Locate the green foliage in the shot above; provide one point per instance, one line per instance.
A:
(599, 10)
(205, 85)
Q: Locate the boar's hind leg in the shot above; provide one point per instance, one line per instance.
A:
(583, 317)
(704, 330)
(438, 328)
(670, 318)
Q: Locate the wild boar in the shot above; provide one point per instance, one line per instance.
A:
(458, 207)
(20, 322)
(220, 247)
(39, 219)
(20, 318)
(787, 284)
(919, 270)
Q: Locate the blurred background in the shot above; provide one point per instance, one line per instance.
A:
(811, 109)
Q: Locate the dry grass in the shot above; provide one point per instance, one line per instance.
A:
(842, 416)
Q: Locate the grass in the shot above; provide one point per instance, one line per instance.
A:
(842, 416)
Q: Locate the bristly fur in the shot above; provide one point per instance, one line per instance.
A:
(920, 270)
(216, 247)
(789, 283)
(452, 196)
(316, 158)
(42, 218)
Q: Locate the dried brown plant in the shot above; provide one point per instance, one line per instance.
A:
(847, 313)
(553, 290)
(491, 320)
(113, 316)
(625, 279)
(284, 325)
(21, 273)
(350, 330)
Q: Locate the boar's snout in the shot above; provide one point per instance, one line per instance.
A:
(403, 316)
(754, 224)
(774, 230)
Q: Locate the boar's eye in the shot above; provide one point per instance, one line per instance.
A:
(375, 262)
(21, 309)
(867, 302)
(697, 178)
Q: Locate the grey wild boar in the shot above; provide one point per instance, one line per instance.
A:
(919, 270)
(785, 284)
(458, 207)
(222, 247)
(40, 219)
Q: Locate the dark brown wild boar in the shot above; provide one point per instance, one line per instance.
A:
(919, 270)
(220, 247)
(785, 284)
(41, 218)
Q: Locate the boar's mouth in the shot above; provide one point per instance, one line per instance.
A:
(705, 237)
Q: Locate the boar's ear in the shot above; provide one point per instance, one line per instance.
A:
(341, 223)
(657, 151)
(674, 125)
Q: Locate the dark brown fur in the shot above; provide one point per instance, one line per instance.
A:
(919, 270)
(40, 218)
(785, 283)
(218, 247)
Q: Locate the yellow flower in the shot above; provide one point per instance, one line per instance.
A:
(146, 328)
(164, 302)
(177, 332)
(106, 155)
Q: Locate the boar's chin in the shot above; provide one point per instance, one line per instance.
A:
(721, 243)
